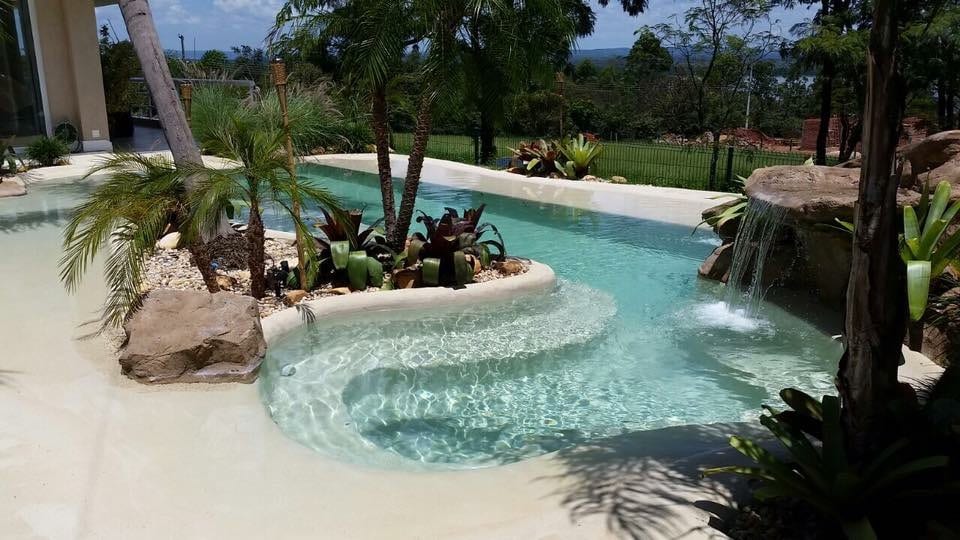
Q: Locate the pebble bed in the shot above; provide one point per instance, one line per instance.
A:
(174, 269)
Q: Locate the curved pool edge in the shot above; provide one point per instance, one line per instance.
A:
(538, 278)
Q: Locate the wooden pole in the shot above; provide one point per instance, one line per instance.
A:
(186, 94)
(279, 72)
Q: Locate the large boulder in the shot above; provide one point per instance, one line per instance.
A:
(187, 337)
(934, 159)
(813, 194)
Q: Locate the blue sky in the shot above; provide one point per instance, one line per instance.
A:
(218, 24)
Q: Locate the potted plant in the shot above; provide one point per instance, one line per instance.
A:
(119, 63)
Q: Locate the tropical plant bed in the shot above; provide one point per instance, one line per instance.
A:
(783, 519)
(174, 269)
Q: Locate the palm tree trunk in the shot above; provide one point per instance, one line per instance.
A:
(255, 256)
(143, 35)
(826, 111)
(411, 183)
(876, 300)
(381, 135)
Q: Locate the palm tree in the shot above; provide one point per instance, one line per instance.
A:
(261, 178)
(375, 36)
(143, 34)
(141, 199)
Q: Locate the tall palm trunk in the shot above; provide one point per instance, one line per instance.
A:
(143, 35)
(381, 135)
(411, 183)
(876, 303)
(255, 256)
(826, 110)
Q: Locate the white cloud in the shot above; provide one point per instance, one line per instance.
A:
(251, 8)
(173, 12)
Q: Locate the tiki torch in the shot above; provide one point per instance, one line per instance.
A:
(279, 71)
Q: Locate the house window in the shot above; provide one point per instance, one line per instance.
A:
(21, 109)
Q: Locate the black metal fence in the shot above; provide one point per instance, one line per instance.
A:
(691, 166)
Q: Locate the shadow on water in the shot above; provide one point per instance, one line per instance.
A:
(33, 219)
(44, 205)
(648, 484)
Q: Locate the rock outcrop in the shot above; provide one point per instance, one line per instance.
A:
(189, 337)
(814, 253)
(932, 160)
(813, 194)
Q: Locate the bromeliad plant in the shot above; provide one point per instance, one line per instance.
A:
(580, 154)
(347, 252)
(571, 158)
(824, 475)
(538, 158)
(452, 252)
(923, 247)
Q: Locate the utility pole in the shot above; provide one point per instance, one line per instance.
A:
(560, 84)
(749, 95)
(183, 49)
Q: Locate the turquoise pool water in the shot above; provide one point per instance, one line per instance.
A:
(630, 339)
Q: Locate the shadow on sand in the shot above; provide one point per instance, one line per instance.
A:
(647, 484)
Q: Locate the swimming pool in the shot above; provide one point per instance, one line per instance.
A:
(630, 340)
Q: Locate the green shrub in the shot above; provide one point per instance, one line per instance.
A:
(47, 152)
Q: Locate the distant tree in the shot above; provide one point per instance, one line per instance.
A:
(719, 42)
(213, 60)
(250, 63)
(931, 57)
(585, 71)
(832, 44)
(499, 61)
(647, 58)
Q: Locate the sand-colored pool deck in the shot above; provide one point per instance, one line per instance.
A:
(87, 453)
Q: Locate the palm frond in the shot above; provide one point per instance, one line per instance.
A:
(125, 214)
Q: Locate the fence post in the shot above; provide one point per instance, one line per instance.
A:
(729, 178)
(476, 144)
(714, 159)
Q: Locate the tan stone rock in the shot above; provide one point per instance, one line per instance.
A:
(618, 180)
(293, 298)
(226, 283)
(406, 279)
(934, 159)
(340, 291)
(813, 194)
(509, 267)
(169, 242)
(187, 336)
(475, 262)
(717, 265)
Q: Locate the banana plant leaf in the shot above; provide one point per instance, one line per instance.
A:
(463, 270)
(340, 254)
(431, 271)
(413, 251)
(374, 272)
(357, 270)
(918, 288)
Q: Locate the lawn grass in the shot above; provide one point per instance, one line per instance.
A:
(640, 163)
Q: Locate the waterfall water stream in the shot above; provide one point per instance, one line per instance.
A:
(755, 238)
